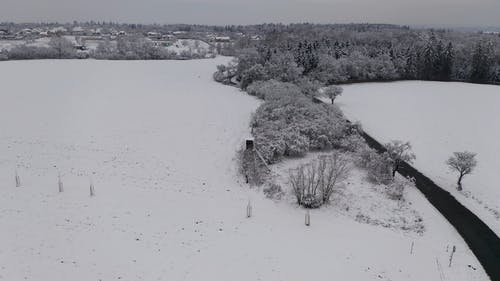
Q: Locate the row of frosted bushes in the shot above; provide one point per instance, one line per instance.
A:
(288, 123)
(127, 48)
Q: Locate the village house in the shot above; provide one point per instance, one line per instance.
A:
(153, 35)
(57, 31)
(78, 31)
(222, 39)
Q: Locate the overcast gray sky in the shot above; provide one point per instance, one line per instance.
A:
(413, 12)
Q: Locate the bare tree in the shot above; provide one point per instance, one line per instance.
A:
(399, 152)
(297, 180)
(304, 185)
(462, 162)
(333, 170)
(332, 92)
(311, 196)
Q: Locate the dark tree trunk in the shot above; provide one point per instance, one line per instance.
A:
(394, 170)
(459, 183)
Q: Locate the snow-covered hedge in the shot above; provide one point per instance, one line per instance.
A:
(273, 89)
(289, 124)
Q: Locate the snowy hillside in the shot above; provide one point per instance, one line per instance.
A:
(158, 140)
(438, 118)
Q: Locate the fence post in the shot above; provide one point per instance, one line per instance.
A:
(92, 193)
(18, 180)
(249, 209)
(451, 256)
(307, 218)
(60, 183)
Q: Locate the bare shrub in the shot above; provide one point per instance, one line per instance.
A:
(395, 189)
(352, 143)
(377, 166)
(305, 186)
(332, 170)
(378, 169)
(273, 191)
(364, 156)
(314, 183)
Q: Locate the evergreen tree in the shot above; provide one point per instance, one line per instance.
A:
(438, 63)
(447, 65)
(427, 59)
(411, 70)
(481, 63)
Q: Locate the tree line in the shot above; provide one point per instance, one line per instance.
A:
(333, 54)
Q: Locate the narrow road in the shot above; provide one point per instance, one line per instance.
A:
(483, 242)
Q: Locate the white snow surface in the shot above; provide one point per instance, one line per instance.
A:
(438, 118)
(157, 139)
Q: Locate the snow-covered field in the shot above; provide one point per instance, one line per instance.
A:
(157, 139)
(438, 118)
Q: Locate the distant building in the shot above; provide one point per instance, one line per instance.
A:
(211, 37)
(256, 37)
(154, 35)
(169, 37)
(81, 47)
(37, 31)
(78, 30)
(96, 32)
(57, 31)
(24, 33)
(222, 39)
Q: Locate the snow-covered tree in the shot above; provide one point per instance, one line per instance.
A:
(282, 67)
(332, 92)
(399, 152)
(297, 144)
(63, 47)
(254, 73)
(104, 50)
(482, 61)
(462, 162)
